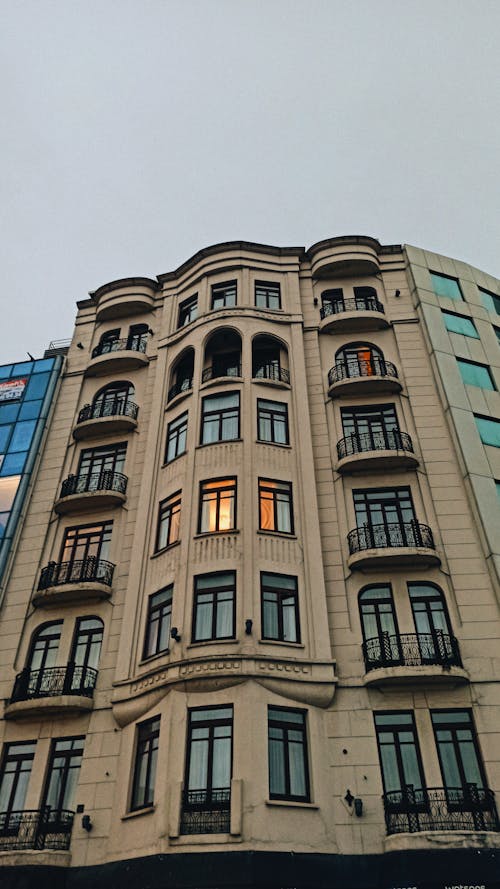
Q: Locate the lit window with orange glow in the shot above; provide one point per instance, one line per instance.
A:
(275, 506)
(217, 505)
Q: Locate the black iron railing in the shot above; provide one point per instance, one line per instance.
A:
(206, 811)
(381, 536)
(51, 682)
(36, 829)
(361, 367)
(184, 385)
(108, 407)
(86, 483)
(86, 570)
(412, 810)
(356, 304)
(383, 440)
(212, 373)
(271, 372)
(411, 650)
(118, 345)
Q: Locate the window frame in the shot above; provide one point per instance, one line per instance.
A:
(269, 290)
(409, 727)
(476, 364)
(167, 507)
(492, 420)
(184, 315)
(281, 594)
(214, 592)
(211, 723)
(154, 626)
(447, 315)
(219, 414)
(175, 429)
(263, 487)
(223, 290)
(492, 302)
(17, 760)
(438, 275)
(147, 733)
(230, 486)
(62, 784)
(458, 727)
(289, 727)
(273, 415)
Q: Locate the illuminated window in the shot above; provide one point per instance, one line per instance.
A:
(275, 506)
(217, 505)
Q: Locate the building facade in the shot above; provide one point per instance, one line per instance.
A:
(250, 636)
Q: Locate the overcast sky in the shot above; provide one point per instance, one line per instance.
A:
(135, 132)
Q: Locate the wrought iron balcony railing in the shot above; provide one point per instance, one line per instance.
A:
(412, 810)
(212, 373)
(89, 570)
(390, 535)
(271, 372)
(356, 304)
(383, 440)
(184, 385)
(36, 829)
(361, 367)
(206, 811)
(108, 407)
(87, 483)
(411, 650)
(118, 345)
(51, 682)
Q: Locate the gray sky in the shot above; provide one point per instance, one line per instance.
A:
(136, 132)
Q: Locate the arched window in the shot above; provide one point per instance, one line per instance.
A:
(137, 337)
(269, 359)
(42, 656)
(85, 652)
(360, 360)
(380, 630)
(222, 355)
(181, 379)
(112, 399)
(108, 342)
(432, 622)
(365, 298)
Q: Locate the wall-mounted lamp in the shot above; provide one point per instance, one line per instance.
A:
(397, 293)
(87, 823)
(151, 332)
(315, 300)
(174, 633)
(355, 804)
(349, 798)
(80, 346)
(248, 627)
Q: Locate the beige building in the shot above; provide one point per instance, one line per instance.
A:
(251, 634)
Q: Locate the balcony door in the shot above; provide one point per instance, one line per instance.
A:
(431, 623)
(208, 771)
(86, 651)
(360, 360)
(400, 761)
(387, 516)
(16, 770)
(380, 631)
(137, 337)
(112, 399)
(109, 341)
(459, 758)
(371, 427)
(97, 464)
(43, 655)
(62, 778)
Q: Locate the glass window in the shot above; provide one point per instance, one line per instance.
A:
(188, 311)
(386, 517)
(288, 769)
(430, 615)
(158, 622)
(267, 295)
(280, 607)
(4, 437)
(207, 797)
(272, 421)
(491, 301)
(444, 285)
(474, 374)
(43, 656)
(399, 754)
(497, 485)
(37, 386)
(143, 786)
(86, 651)
(22, 435)
(168, 521)
(64, 769)
(275, 506)
(214, 611)
(30, 410)
(220, 418)
(217, 505)
(8, 490)
(15, 775)
(98, 464)
(489, 430)
(176, 437)
(460, 324)
(86, 542)
(458, 751)
(43, 364)
(224, 295)
(13, 463)
(380, 630)
(497, 333)
(9, 412)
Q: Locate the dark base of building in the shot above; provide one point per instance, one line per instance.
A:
(452, 869)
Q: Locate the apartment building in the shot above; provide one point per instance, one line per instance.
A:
(250, 637)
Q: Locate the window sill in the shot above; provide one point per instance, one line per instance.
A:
(147, 810)
(204, 839)
(278, 384)
(159, 552)
(173, 460)
(209, 444)
(220, 381)
(281, 643)
(177, 398)
(154, 657)
(294, 803)
(275, 444)
(286, 534)
(216, 533)
(204, 642)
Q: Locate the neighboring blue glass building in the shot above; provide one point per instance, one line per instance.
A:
(26, 394)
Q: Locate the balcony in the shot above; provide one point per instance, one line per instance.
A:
(106, 417)
(91, 491)
(272, 374)
(182, 387)
(363, 377)
(354, 314)
(78, 581)
(409, 658)
(206, 811)
(398, 545)
(387, 449)
(35, 829)
(52, 690)
(216, 372)
(468, 808)
(117, 355)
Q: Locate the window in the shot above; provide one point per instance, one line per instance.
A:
(379, 625)
(146, 756)
(386, 517)
(272, 421)
(16, 770)
(359, 360)
(370, 428)
(267, 355)
(497, 486)
(460, 324)
(214, 612)
(489, 430)
(109, 342)
(399, 754)
(115, 398)
(224, 295)
(474, 374)
(62, 778)
(332, 301)
(491, 301)
(176, 438)
(188, 311)
(497, 332)
(206, 802)
(217, 505)
(158, 622)
(267, 295)
(182, 375)
(43, 656)
(220, 418)
(86, 651)
(98, 465)
(168, 521)
(86, 542)
(288, 770)
(432, 624)
(444, 285)
(275, 506)
(458, 752)
(280, 607)
(137, 337)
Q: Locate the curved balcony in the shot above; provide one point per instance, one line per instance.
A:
(345, 256)
(116, 356)
(352, 314)
(52, 690)
(183, 387)
(412, 810)
(105, 418)
(220, 373)
(77, 581)
(409, 657)
(393, 545)
(37, 829)
(91, 491)
(128, 296)
(363, 377)
(271, 374)
(387, 449)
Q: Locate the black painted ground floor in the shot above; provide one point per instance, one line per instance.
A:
(440, 869)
